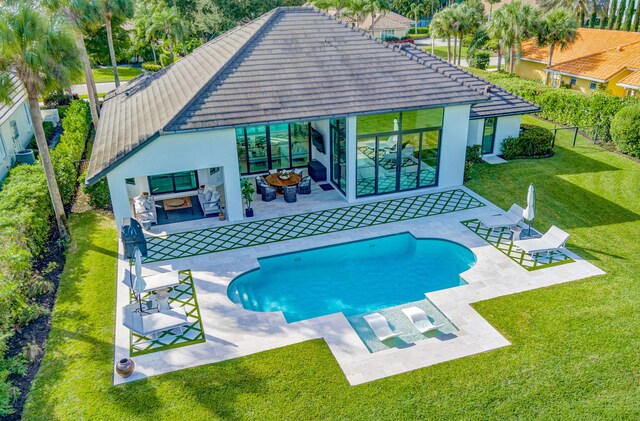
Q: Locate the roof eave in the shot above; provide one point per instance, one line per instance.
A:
(505, 114)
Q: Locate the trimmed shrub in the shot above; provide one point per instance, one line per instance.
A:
(57, 98)
(480, 60)
(98, 194)
(165, 60)
(151, 67)
(49, 130)
(474, 154)
(26, 218)
(533, 142)
(625, 130)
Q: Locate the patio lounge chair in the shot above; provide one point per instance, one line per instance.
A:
(420, 320)
(150, 324)
(552, 240)
(380, 326)
(260, 184)
(504, 220)
(154, 282)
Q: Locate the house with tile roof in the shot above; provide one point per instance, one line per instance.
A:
(16, 129)
(296, 88)
(598, 59)
(381, 25)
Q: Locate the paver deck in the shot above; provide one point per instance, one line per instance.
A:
(248, 234)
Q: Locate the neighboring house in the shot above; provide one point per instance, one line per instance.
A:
(16, 129)
(297, 85)
(385, 25)
(598, 59)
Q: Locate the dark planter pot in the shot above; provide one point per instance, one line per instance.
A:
(125, 367)
(249, 212)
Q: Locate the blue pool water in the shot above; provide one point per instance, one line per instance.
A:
(354, 278)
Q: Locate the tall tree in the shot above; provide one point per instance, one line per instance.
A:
(611, 19)
(636, 19)
(583, 7)
(375, 9)
(558, 28)
(622, 6)
(120, 9)
(416, 10)
(628, 16)
(514, 23)
(166, 21)
(81, 14)
(40, 50)
(491, 3)
(440, 27)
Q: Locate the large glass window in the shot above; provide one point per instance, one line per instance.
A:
(173, 183)
(339, 153)
(401, 155)
(488, 135)
(278, 146)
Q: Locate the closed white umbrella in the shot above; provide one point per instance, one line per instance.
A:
(530, 211)
(138, 284)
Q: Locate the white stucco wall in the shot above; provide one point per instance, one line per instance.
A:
(505, 127)
(455, 129)
(474, 137)
(351, 159)
(10, 146)
(174, 153)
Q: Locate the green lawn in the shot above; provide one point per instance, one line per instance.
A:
(105, 74)
(441, 51)
(574, 353)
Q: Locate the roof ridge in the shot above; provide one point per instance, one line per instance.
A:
(275, 12)
(594, 54)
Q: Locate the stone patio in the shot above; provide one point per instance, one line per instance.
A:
(231, 331)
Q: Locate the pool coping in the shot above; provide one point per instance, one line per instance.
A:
(232, 331)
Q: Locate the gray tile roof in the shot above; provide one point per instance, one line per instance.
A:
(289, 64)
(502, 103)
(16, 96)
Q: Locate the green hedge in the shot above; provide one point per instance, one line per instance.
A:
(625, 130)
(564, 106)
(533, 142)
(151, 67)
(98, 194)
(26, 219)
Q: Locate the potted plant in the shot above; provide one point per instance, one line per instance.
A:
(247, 195)
(284, 175)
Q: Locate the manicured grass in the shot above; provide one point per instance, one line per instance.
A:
(86, 96)
(441, 51)
(105, 74)
(574, 346)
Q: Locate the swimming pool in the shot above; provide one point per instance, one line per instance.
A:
(352, 278)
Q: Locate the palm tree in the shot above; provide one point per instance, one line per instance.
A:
(81, 14)
(416, 9)
(512, 24)
(440, 27)
(470, 20)
(120, 9)
(40, 50)
(583, 7)
(491, 3)
(167, 21)
(375, 8)
(558, 28)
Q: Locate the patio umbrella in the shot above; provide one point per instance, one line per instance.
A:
(138, 284)
(530, 211)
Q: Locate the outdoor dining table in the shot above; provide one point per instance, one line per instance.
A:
(277, 182)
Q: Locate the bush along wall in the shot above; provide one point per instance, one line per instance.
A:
(26, 219)
(97, 194)
(533, 142)
(565, 106)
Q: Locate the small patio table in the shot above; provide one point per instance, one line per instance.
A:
(277, 182)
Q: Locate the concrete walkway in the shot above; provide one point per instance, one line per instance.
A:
(102, 88)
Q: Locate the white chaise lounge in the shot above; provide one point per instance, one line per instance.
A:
(380, 326)
(150, 324)
(155, 282)
(420, 320)
(503, 220)
(552, 240)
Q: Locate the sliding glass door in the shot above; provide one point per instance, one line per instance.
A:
(488, 135)
(339, 153)
(403, 155)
